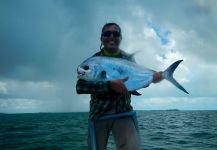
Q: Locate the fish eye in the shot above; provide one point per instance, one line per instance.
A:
(86, 67)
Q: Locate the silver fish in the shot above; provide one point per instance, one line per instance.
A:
(101, 68)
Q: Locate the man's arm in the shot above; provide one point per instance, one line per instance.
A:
(101, 87)
(92, 87)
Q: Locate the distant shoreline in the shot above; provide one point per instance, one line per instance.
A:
(172, 110)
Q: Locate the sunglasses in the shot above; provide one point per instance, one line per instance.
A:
(109, 33)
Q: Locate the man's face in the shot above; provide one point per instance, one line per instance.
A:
(111, 38)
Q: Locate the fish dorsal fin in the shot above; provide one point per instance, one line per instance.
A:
(131, 56)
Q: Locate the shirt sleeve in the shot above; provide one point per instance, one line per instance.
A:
(92, 87)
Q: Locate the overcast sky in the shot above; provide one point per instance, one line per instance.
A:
(43, 42)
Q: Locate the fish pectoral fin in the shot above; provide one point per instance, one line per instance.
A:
(135, 93)
(103, 74)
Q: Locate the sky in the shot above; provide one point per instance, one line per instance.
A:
(43, 42)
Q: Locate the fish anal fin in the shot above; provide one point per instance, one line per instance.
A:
(135, 93)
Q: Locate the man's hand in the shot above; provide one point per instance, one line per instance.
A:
(118, 85)
(157, 77)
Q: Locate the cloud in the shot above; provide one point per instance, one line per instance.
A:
(28, 89)
(19, 105)
(3, 88)
(30, 39)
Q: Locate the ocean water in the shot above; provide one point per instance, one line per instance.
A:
(159, 130)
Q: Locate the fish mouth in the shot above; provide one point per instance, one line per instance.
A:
(80, 72)
(80, 75)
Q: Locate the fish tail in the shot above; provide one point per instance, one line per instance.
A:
(168, 74)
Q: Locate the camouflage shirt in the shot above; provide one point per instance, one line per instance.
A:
(103, 99)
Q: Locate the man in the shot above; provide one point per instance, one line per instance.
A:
(112, 97)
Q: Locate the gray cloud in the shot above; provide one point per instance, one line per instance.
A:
(31, 35)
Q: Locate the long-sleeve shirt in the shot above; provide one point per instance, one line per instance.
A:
(103, 99)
